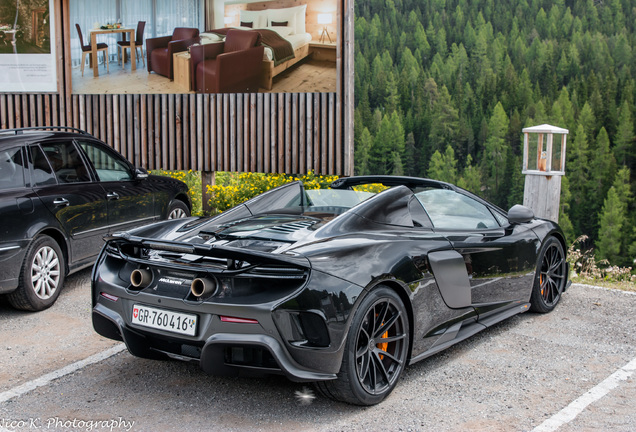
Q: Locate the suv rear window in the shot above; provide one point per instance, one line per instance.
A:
(11, 169)
(66, 162)
(42, 172)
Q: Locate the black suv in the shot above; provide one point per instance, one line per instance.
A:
(61, 191)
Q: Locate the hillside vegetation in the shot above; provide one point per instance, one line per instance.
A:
(444, 87)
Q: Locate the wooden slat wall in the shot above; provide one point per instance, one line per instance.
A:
(284, 132)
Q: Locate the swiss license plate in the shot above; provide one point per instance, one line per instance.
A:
(164, 320)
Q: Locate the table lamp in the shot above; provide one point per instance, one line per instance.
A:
(324, 19)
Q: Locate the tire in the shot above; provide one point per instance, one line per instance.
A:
(41, 276)
(550, 277)
(376, 351)
(178, 209)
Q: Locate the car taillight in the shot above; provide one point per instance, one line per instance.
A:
(238, 320)
(109, 296)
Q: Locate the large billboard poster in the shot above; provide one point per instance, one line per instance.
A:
(203, 46)
(27, 48)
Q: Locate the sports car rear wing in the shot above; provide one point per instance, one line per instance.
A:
(125, 241)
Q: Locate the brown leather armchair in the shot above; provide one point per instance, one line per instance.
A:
(233, 66)
(159, 50)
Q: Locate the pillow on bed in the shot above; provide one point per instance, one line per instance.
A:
(300, 18)
(280, 15)
(298, 13)
(281, 30)
(279, 23)
(247, 24)
(210, 37)
(257, 18)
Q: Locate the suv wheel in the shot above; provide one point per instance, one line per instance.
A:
(178, 210)
(41, 277)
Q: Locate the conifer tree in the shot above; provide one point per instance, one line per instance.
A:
(603, 167)
(443, 167)
(363, 150)
(445, 121)
(611, 227)
(577, 171)
(564, 208)
(517, 183)
(623, 191)
(470, 178)
(495, 151)
(624, 143)
(388, 141)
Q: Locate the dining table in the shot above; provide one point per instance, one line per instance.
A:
(97, 31)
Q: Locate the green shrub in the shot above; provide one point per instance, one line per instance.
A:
(232, 189)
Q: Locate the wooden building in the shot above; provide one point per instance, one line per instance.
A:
(283, 132)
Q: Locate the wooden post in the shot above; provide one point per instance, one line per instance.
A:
(542, 190)
(208, 178)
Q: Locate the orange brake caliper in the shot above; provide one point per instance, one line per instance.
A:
(383, 345)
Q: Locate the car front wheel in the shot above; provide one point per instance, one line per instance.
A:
(41, 277)
(375, 353)
(550, 277)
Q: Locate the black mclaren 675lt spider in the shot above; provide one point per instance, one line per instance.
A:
(343, 286)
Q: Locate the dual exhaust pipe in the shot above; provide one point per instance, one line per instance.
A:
(200, 287)
(203, 287)
(140, 278)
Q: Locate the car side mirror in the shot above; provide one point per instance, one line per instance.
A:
(141, 174)
(520, 214)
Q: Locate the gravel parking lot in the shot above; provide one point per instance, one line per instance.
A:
(513, 376)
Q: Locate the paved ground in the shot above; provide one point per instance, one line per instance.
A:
(573, 367)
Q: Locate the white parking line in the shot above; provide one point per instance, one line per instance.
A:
(575, 408)
(45, 379)
(578, 285)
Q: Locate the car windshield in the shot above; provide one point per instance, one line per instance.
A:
(451, 210)
(293, 198)
(336, 197)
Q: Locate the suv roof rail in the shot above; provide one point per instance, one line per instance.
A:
(19, 131)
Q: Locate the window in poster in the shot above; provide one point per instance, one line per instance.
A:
(27, 48)
(182, 40)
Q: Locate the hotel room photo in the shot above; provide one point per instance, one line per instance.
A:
(203, 46)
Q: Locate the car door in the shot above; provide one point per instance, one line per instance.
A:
(65, 185)
(131, 201)
(16, 214)
(499, 257)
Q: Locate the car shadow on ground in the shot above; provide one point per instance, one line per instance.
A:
(77, 284)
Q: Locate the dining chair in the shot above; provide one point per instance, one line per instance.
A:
(88, 49)
(123, 45)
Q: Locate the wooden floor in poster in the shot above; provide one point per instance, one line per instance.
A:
(309, 76)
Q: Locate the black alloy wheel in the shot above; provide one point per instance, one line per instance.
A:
(550, 276)
(376, 351)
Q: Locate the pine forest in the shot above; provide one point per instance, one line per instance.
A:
(443, 89)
